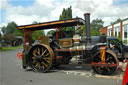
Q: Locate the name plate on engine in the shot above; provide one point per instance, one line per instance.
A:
(65, 43)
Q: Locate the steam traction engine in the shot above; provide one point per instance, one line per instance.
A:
(58, 49)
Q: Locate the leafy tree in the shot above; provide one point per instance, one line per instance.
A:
(0, 37)
(97, 24)
(18, 32)
(83, 30)
(34, 22)
(63, 16)
(118, 20)
(9, 37)
(70, 12)
(4, 30)
(51, 32)
(36, 34)
(0, 34)
(95, 32)
(66, 14)
(11, 27)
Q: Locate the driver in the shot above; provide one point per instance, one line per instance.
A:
(112, 46)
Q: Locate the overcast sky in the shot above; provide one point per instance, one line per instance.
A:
(26, 11)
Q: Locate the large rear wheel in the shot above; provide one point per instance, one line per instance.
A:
(41, 58)
(110, 59)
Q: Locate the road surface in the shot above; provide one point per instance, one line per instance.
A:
(11, 73)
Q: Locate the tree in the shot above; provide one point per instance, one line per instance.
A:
(0, 34)
(36, 34)
(66, 14)
(51, 32)
(70, 12)
(4, 30)
(0, 37)
(34, 22)
(118, 20)
(9, 37)
(83, 30)
(18, 32)
(63, 17)
(95, 32)
(97, 24)
(11, 27)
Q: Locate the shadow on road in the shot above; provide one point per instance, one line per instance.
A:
(74, 67)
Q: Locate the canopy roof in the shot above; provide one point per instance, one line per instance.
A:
(53, 24)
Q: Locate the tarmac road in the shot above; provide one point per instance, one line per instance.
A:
(11, 73)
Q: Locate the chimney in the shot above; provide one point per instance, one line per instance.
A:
(87, 27)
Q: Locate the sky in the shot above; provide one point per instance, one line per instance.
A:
(24, 12)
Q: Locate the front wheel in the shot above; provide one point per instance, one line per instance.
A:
(41, 58)
(110, 59)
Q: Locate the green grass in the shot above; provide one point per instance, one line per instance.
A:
(10, 48)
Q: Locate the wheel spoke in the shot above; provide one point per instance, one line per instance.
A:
(46, 54)
(34, 58)
(108, 69)
(108, 58)
(34, 61)
(43, 52)
(35, 52)
(37, 64)
(97, 59)
(38, 51)
(47, 60)
(44, 64)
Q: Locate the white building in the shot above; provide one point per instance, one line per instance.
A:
(117, 30)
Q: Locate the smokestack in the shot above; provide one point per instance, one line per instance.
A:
(87, 27)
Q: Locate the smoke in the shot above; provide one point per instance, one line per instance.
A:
(87, 5)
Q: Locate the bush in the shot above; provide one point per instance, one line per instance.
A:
(0, 46)
(125, 42)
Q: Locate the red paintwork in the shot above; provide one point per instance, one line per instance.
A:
(125, 79)
(29, 37)
(59, 57)
(102, 64)
(59, 33)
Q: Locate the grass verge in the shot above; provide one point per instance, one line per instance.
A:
(10, 48)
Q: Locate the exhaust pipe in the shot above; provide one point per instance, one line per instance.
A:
(87, 27)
